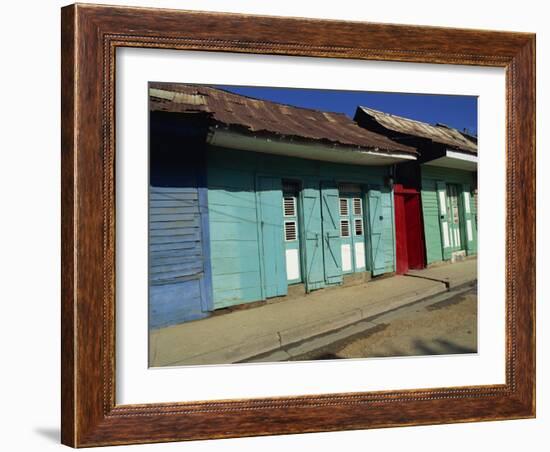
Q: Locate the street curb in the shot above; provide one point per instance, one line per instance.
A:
(303, 332)
(393, 303)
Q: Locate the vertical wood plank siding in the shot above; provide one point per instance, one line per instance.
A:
(234, 232)
(233, 236)
(430, 210)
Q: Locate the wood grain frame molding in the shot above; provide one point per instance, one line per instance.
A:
(90, 36)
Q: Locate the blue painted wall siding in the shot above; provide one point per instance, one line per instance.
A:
(180, 287)
(168, 306)
(177, 288)
(236, 253)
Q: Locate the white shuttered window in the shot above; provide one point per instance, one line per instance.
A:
(289, 206)
(290, 231)
(344, 228)
(344, 210)
(357, 206)
(358, 226)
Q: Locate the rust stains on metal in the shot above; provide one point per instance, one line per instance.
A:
(405, 126)
(258, 116)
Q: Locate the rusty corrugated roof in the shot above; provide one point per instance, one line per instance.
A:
(440, 134)
(262, 116)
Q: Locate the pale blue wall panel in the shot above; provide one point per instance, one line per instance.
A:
(238, 280)
(233, 233)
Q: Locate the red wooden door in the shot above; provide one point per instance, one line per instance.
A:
(409, 236)
(401, 248)
(415, 233)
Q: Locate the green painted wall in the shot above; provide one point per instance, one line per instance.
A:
(430, 210)
(235, 246)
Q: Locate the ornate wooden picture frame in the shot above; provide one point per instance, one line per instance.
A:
(90, 37)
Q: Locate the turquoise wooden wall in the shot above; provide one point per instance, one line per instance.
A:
(235, 254)
(236, 250)
(430, 210)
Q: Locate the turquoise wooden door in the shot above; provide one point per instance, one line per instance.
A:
(444, 219)
(331, 232)
(381, 231)
(270, 199)
(312, 236)
(352, 234)
(346, 236)
(376, 221)
(470, 230)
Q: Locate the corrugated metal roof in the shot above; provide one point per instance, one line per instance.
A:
(438, 133)
(262, 116)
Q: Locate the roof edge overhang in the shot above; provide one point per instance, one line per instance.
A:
(367, 112)
(306, 150)
(455, 160)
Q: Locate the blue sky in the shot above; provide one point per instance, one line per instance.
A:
(455, 111)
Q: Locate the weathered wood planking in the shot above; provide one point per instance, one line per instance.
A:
(176, 261)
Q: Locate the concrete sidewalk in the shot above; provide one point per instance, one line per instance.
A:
(240, 335)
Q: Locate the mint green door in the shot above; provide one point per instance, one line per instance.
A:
(271, 233)
(331, 232)
(458, 229)
(470, 229)
(444, 219)
(455, 233)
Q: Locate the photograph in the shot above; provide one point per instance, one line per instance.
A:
(292, 224)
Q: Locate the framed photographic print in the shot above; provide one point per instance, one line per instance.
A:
(281, 225)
